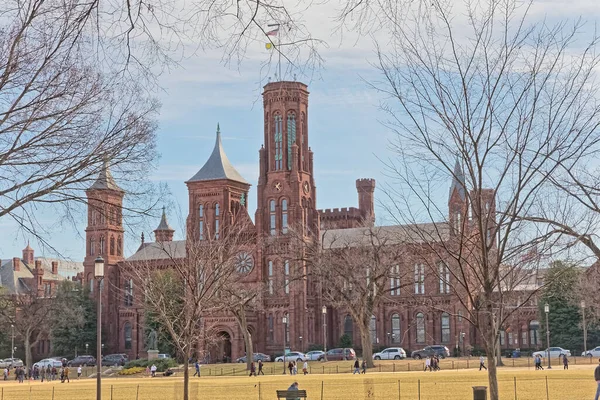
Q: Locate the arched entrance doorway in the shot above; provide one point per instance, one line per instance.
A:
(222, 349)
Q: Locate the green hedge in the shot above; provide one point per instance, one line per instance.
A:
(161, 364)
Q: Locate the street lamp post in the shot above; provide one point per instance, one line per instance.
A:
(547, 311)
(99, 275)
(301, 343)
(584, 328)
(284, 340)
(87, 349)
(12, 345)
(324, 311)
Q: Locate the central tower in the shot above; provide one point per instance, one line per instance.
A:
(285, 210)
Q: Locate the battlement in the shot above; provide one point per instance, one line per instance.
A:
(365, 184)
(333, 213)
(340, 218)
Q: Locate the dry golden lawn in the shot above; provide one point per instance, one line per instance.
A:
(575, 384)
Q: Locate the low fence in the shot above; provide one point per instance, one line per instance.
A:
(367, 387)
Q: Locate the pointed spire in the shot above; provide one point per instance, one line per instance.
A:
(458, 180)
(28, 246)
(105, 179)
(218, 166)
(164, 224)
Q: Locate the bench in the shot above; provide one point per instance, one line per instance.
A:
(291, 394)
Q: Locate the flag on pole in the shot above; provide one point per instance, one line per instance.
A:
(269, 45)
(274, 32)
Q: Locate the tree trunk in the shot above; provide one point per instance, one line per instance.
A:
(240, 316)
(499, 362)
(186, 374)
(28, 357)
(367, 345)
(493, 377)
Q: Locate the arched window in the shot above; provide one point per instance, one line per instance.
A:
(396, 334)
(534, 333)
(92, 281)
(349, 327)
(119, 247)
(373, 329)
(286, 273)
(272, 218)
(201, 221)
(101, 245)
(278, 138)
(444, 275)
(129, 292)
(284, 216)
(291, 136)
(270, 326)
(127, 334)
(420, 328)
(217, 215)
(270, 274)
(112, 245)
(445, 328)
(395, 281)
(92, 249)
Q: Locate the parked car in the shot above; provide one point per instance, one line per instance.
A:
(164, 355)
(392, 353)
(52, 362)
(11, 362)
(115, 359)
(554, 352)
(255, 357)
(339, 354)
(592, 353)
(82, 361)
(428, 351)
(314, 355)
(293, 356)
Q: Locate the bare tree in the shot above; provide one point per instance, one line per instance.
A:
(497, 105)
(355, 268)
(186, 285)
(62, 117)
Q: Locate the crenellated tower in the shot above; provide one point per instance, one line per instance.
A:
(458, 202)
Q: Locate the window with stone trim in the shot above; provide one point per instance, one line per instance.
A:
(445, 328)
(112, 245)
(373, 329)
(284, 216)
(128, 335)
(419, 279)
(534, 333)
(129, 292)
(201, 221)
(396, 333)
(217, 216)
(444, 276)
(278, 139)
(291, 136)
(92, 244)
(101, 245)
(395, 281)
(420, 327)
(287, 328)
(119, 247)
(286, 273)
(270, 276)
(270, 327)
(272, 218)
(502, 337)
(524, 338)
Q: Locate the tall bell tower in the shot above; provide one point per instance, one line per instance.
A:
(286, 209)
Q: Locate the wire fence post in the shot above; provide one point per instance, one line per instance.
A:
(398, 389)
(137, 393)
(419, 388)
(111, 392)
(547, 392)
(322, 388)
(52, 392)
(515, 378)
(259, 391)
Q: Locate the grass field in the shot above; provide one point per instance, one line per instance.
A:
(575, 384)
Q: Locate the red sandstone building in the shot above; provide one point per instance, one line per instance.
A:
(287, 196)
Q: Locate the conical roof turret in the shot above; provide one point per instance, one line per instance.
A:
(458, 180)
(105, 180)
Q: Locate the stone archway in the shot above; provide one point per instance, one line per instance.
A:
(221, 350)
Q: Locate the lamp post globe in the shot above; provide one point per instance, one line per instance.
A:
(284, 320)
(547, 311)
(324, 312)
(584, 328)
(99, 275)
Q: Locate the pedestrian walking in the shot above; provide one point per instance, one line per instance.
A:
(42, 373)
(5, 373)
(565, 362)
(48, 372)
(79, 372)
(305, 368)
(197, 365)
(252, 369)
(54, 373)
(153, 370)
(295, 368)
(597, 378)
(364, 366)
(427, 364)
(482, 363)
(356, 367)
(291, 367)
(67, 371)
(260, 367)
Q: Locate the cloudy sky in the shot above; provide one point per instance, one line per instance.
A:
(345, 129)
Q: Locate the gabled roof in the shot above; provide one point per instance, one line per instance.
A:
(164, 224)
(218, 166)
(14, 282)
(159, 251)
(105, 180)
(458, 180)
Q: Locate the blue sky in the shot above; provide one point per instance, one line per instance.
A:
(345, 129)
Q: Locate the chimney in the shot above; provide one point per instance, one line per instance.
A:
(16, 263)
(28, 255)
(55, 267)
(38, 274)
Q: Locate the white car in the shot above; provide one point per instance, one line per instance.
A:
(314, 355)
(52, 362)
(592, 353)
(554, 352)
(11, 362)
(392, 353)
(293, 356)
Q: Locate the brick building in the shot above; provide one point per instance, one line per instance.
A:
(287, 196)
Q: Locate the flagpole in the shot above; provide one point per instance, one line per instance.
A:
(278, 48)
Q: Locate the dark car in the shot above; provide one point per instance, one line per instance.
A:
(339, 354)
(256, 357)
(428, 351)
(114, 359)
(82, 361)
